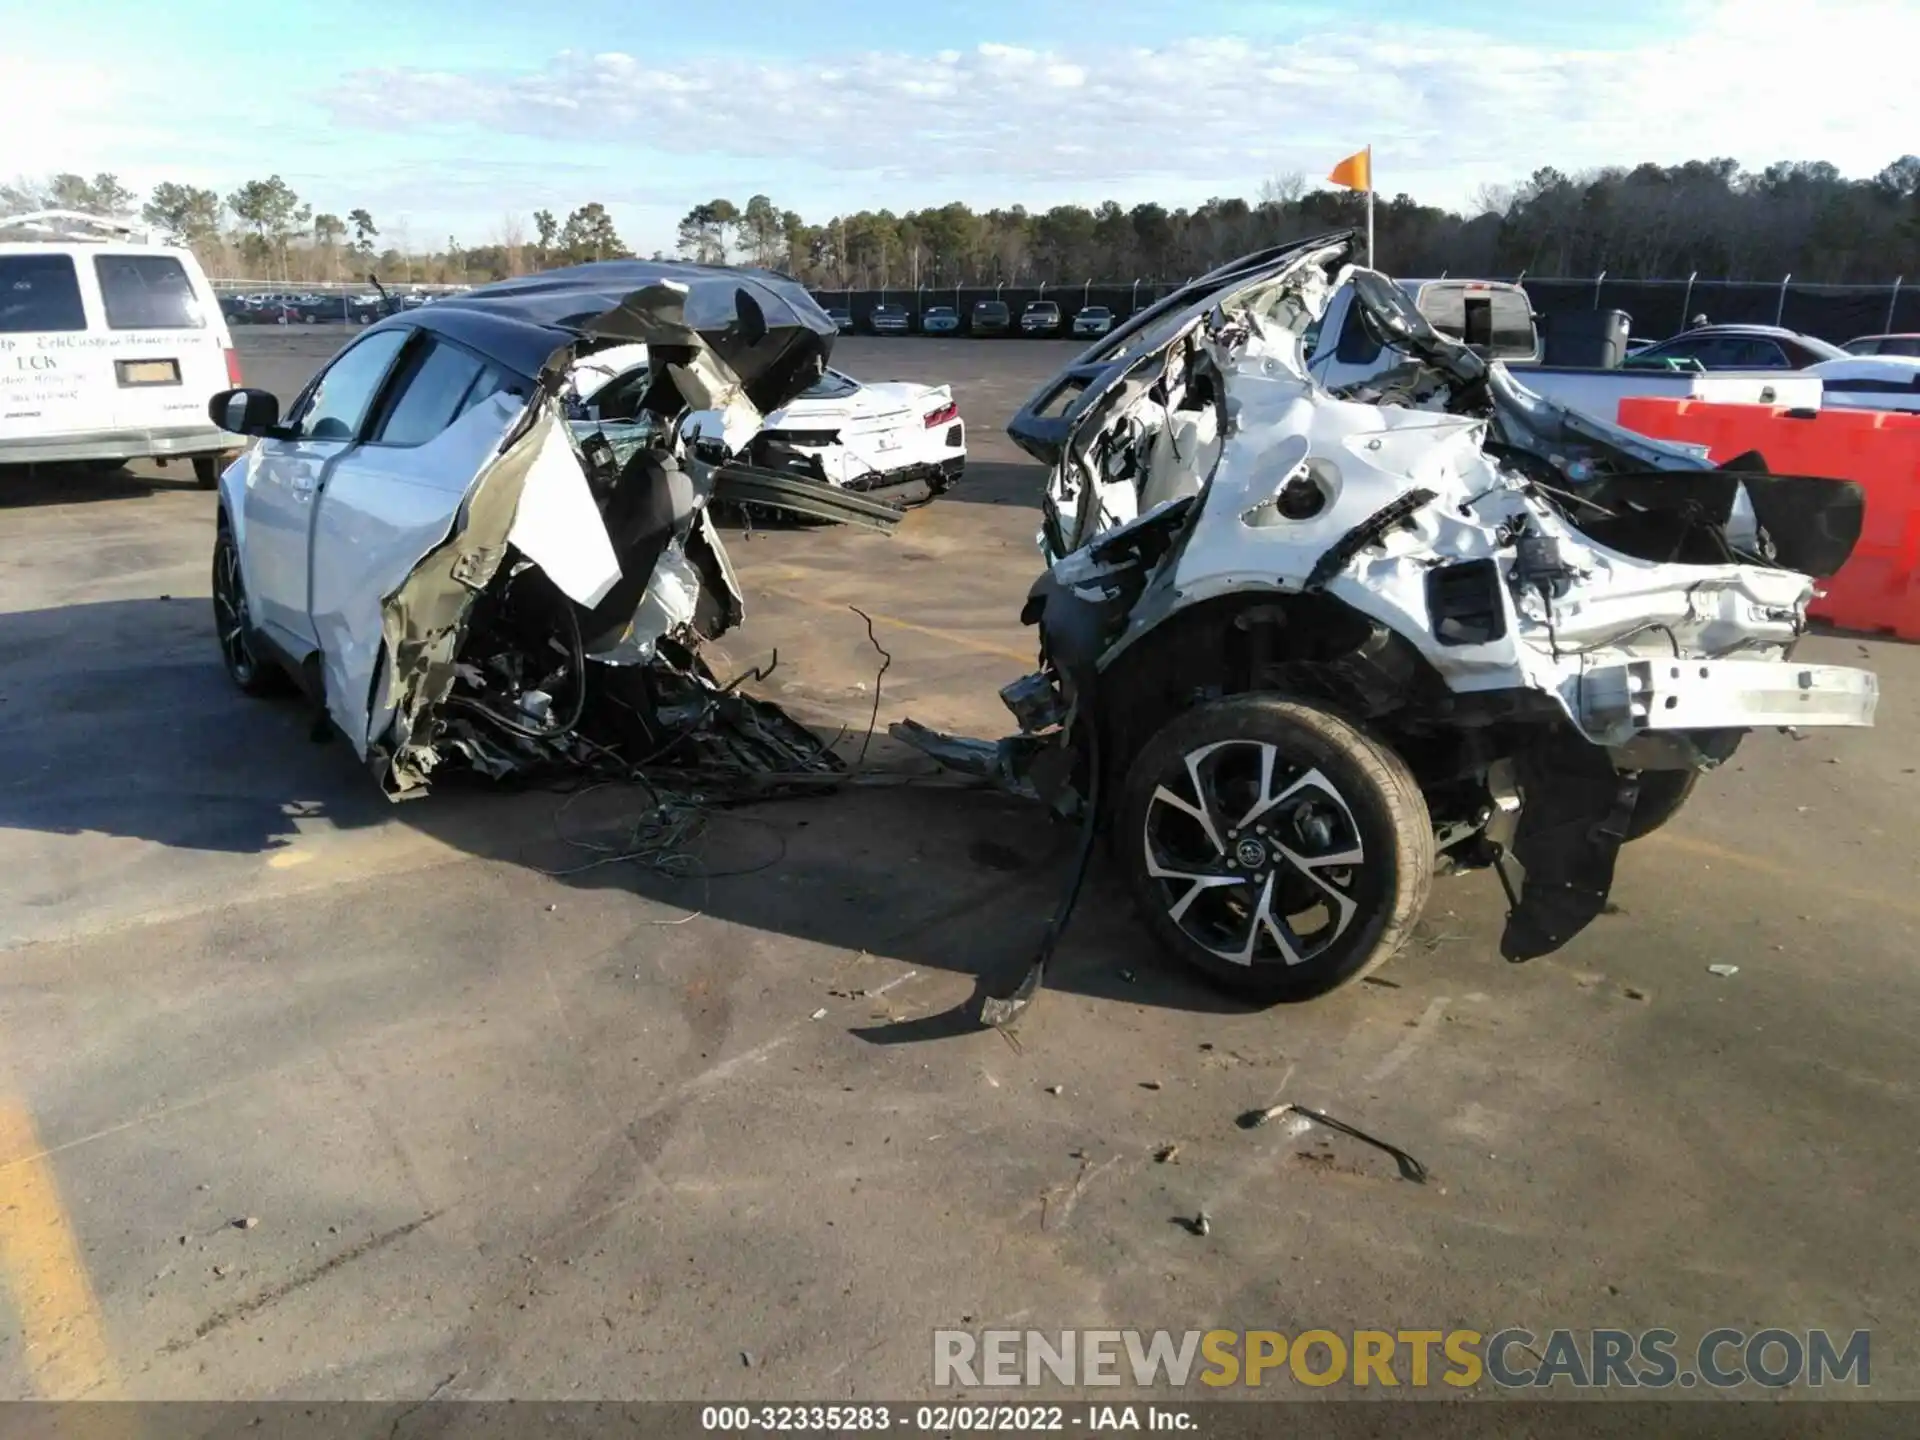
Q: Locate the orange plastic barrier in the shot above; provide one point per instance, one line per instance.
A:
(1879, 586)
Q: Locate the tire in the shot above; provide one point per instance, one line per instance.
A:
(1352, 798)
(1662, 793)
(233, 624)
(206, 471)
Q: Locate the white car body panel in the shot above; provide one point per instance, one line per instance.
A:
(558, 527)
(375, 520)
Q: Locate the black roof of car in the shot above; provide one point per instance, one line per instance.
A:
(757, 322)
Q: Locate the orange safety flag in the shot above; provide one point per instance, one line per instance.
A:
(1356, 171)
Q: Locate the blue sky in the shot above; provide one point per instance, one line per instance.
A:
(448, 118)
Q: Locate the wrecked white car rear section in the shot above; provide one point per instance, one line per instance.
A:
(1543, 625)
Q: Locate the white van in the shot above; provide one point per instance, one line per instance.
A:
(110, 351)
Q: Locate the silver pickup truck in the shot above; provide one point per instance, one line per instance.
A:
(1497, 317)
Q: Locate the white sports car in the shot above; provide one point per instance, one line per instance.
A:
(893, 440)
(1869, 382)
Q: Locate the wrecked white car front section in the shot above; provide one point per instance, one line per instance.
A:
(559, 621)
(1543, 625)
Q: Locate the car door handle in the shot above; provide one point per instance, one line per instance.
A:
(303, 486)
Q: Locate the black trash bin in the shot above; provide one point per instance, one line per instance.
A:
(1587, 338)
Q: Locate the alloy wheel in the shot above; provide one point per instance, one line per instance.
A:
(1256, 857)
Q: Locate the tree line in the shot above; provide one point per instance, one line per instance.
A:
(1705, 217)
(264, 231)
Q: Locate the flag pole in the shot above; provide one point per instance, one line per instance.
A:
(1370, 207)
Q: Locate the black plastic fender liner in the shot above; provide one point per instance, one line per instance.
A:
(1812, 522)
(748, 484)
(1576, 811)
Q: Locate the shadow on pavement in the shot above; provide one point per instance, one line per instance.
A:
(145, 739)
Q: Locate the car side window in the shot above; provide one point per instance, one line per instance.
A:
(432, 391)
(1767, 355)
(337, 404)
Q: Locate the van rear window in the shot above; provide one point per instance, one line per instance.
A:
(1498, 320)
(148, 292)
(39, 292)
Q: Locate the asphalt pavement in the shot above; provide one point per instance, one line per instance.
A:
(303, 1094)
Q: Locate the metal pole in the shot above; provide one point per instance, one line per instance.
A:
(1134, 303)
(1370, 264)
(1780, 310)
(1686, 303)
(1598, 281)
(1893, 300)
(1086, 292)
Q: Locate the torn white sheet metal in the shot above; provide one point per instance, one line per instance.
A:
(558, 526)
(670, 601)
(1350, 459)
(354, 581)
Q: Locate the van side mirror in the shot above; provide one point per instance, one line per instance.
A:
(245, 412)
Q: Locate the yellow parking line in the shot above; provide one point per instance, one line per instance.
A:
(64, 1342)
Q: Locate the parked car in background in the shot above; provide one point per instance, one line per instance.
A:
(318, 309)
(896, 440)
(1092, 320)
(120, 347)
(939, 320)
(1869, 382)
(842, 318)
(889, 319)
(1041, 317)
(1884, 345)
(1737, 347)
(991, 317)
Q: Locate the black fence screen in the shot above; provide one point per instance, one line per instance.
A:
(1658, 307)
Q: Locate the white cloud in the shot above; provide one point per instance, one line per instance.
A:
(1443, 108)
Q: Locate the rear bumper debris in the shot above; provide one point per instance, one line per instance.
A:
(1623, 700)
